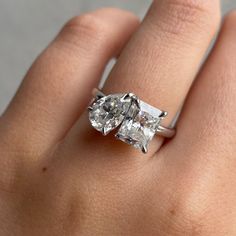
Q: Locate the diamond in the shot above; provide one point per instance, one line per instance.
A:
(108, 112)
(140, 127)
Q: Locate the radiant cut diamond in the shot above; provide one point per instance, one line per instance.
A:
(108, 112)
(140, 126)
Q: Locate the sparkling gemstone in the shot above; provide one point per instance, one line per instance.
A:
(139, 129)
(108, 112)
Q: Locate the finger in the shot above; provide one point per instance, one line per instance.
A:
(164, 56)
(58, 85)
(208, 120)
(160, 62)
(200, 162)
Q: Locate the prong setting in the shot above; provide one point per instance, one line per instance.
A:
(144, 149)
(164, 114)
(90, 108)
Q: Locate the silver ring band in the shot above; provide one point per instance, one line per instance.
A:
(165, 132)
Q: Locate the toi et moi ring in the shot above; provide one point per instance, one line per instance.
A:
(136, 121)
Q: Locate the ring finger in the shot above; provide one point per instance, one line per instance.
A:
(162, 59)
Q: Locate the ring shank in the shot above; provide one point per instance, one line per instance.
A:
(97, 93)
(165, 132)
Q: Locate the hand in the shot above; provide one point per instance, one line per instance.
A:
(58, 176)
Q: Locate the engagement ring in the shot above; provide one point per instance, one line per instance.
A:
(136, 121)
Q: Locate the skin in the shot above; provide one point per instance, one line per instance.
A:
(58, 176)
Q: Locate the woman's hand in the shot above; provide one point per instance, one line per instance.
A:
(58, 176)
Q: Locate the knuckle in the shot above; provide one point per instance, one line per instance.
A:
(87, 27)
(88, 22)
(195, 5)
(200, 14)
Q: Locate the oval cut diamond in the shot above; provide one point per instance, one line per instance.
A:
(108, 112)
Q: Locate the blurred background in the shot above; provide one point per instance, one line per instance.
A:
(27, 26)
